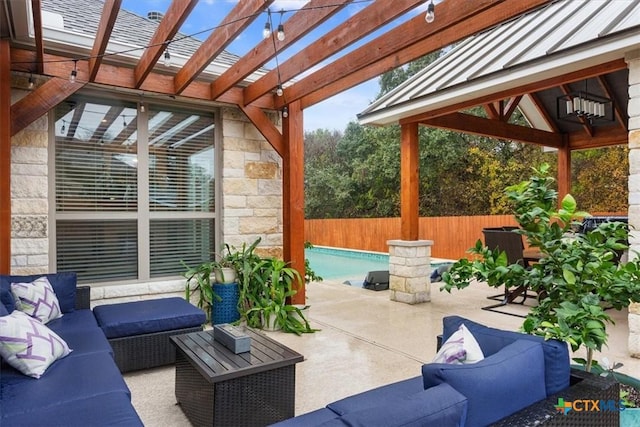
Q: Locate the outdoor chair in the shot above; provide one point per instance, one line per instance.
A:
(508, 240)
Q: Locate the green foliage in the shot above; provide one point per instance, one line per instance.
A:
(309, 273)
(577, 277)
(199, 281)
(265, 286)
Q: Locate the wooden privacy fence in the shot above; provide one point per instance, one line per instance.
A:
(452, 236)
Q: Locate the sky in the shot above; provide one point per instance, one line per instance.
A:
(332, 114)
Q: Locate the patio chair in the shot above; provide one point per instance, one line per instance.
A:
(507, 240)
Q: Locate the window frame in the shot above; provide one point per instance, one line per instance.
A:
(143, 215)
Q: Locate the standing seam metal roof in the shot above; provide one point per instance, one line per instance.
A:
(555, 29)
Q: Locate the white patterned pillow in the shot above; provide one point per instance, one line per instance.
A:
(28, 345)
(37, 299)
(461, 347)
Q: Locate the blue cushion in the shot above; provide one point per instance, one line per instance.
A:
(66, 380)
(438, 406)
(111, 409)
(86, 341)
(6, 297)
(313, 418)
(499, 385)
(64, 286)
(144, 317)
(378, 396)
(556, 353)
(78, 320)
(3, 310)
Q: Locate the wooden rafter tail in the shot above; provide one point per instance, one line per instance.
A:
(304, 21)
(351, 30)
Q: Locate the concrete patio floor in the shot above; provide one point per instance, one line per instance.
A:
(365, 340)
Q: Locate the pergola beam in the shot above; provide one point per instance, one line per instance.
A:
(403, 44)
(36, 10)
(265, 127)
(342, 36)
(171, 22)
(313, 14)
(495, 129)
(107, 20)
(233, 24)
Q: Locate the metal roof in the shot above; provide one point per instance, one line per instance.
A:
(561, 37)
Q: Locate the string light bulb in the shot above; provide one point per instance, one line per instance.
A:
(266, 31)
(31, 81)
(63, 128)
(167, 58)
(280, 33)
(142, 107)
(431, 13)
(285, 112)
(124, 121)
(74, 72)
(279, 90)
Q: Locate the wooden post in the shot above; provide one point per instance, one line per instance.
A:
(564, 170)
(5, 157)
(409, 181)
(293, 194)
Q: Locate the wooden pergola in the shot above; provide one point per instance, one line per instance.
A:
(455, 20)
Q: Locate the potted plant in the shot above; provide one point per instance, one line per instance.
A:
(266, 286)
(578, 276)
(198, 281)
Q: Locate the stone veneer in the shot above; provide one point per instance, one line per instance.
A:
(251, 199)
(633, 61)
(410, 270)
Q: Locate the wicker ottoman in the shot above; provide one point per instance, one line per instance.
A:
(139, 331)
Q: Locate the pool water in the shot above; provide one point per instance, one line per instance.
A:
(344, 264)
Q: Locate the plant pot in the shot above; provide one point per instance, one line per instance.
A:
(269, 322)
(226, 309)
(225, 275)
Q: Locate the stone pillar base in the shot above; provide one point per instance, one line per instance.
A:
(410, 270)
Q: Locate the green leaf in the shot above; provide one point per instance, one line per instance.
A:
(569, 277)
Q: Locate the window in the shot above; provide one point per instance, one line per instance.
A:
(134, 193)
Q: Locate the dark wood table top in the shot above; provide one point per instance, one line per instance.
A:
(216, 363)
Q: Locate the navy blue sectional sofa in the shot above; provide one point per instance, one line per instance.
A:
(84, 388)
(518, 371)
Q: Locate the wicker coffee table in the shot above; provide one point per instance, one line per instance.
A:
(214, 386)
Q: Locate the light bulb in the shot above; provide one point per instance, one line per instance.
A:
(142, 107)
(279, 90)
(31, 82)
(266, 32)
(285, 112)
(167, 58)
(280, 33)
(431, 14)
(72, 77)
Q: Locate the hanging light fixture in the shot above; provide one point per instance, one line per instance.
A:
(581, 106)
(63, 127)
(31, 81)
(431, 13)
(279, 90)
(74, 72)
(167, 58)
(280, 34)
(285, 112)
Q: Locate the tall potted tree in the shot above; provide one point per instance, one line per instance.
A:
(578, 276)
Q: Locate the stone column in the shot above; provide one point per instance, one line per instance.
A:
(633, 61)
(410, 270)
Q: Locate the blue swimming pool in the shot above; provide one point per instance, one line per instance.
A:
(345, 264)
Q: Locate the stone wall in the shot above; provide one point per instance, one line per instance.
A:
(633, 61)
(251, 186)
(251, 200)
(29, 192)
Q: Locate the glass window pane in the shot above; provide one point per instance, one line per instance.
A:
(181, 162)
(96, 160)
(173, 241)
(98, 250)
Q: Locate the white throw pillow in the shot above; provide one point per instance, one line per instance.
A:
(461, 347)
(37, 299)
(28, 345)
